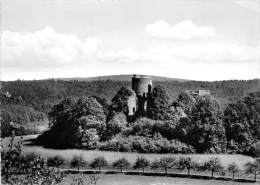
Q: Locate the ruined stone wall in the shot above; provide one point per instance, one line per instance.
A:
(141, 85)
(132, 105)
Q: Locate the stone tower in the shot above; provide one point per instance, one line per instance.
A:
(142, 85)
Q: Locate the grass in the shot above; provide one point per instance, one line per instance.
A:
(89, 155)
(148, 180)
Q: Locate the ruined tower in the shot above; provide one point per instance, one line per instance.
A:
(142, 85)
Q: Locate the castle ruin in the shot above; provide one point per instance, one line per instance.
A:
(142, 86)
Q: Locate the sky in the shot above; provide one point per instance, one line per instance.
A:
(190, 39)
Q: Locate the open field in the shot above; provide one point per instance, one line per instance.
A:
(145, 180)
(225, 159)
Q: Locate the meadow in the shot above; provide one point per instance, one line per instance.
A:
(89, 155)
(145, 180)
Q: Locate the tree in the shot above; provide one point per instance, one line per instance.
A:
(214, 165)
(158, 103)
(75, 125)
(252, 168)
(121, 163)
(233, 168)
(115, 125)
(165, 163)
(77, 161)
(98, 162)
(141, 162)
(186, 102)
(242, 125)
(11, 159)
(30, 168)
(120, 102)
(204, 128)
(55, 161)
(186, 162)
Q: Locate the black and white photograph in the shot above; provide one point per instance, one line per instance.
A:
(130, 92)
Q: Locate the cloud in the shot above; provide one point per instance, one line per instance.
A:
(184, 30)
(253, 5)
(44, 48)
(168, 53)
(47, 53)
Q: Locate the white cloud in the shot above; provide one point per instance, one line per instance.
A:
(249, 4)
(184, 30)
(47, 53)
(45, 47)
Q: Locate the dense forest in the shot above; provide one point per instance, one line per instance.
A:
(30, 101)
(189, 124)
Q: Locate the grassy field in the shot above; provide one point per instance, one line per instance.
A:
(145, 180)
(241, 160)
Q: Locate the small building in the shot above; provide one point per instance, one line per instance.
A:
(200, 92)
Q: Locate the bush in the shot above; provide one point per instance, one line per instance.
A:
(31, 168)
(78, 161)
(141, 144)
(164, 163)
(141, 162)
(121, 163)
(213, 165)
(98, 162)
(55, 161)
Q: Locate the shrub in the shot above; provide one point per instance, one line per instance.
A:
(78, 161)
(55, 161)
(233, 168)
(253, 168)
(141, 144)
(186, 163)
(164, 163)
(141, 162)
(121, 163)
(98, 162)
(214, 165)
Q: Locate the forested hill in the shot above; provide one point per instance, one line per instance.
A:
(38, 96)
(123, 77)
(42, 94)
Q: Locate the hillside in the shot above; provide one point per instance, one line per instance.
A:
(125, 77)
(38, 96)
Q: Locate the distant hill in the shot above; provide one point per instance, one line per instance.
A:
(123, 77)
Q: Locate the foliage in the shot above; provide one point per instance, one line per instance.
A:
(39, 96)
(253, 168)
(55, 161)
(213, 165)
(233, 168)
(98, 162)
(158, 103)
(242, 125)
(186, 163)
(78, 161)
(31, 168)
(26, 118)
(121, 163)
(85, 180)
(189, 124)
(115, 125)
(186, 102)
(157, 144)
(141, 162)
(204, 128)
(164, 163)
(75, 124)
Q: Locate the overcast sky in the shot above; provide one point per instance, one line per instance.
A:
(190, 39)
